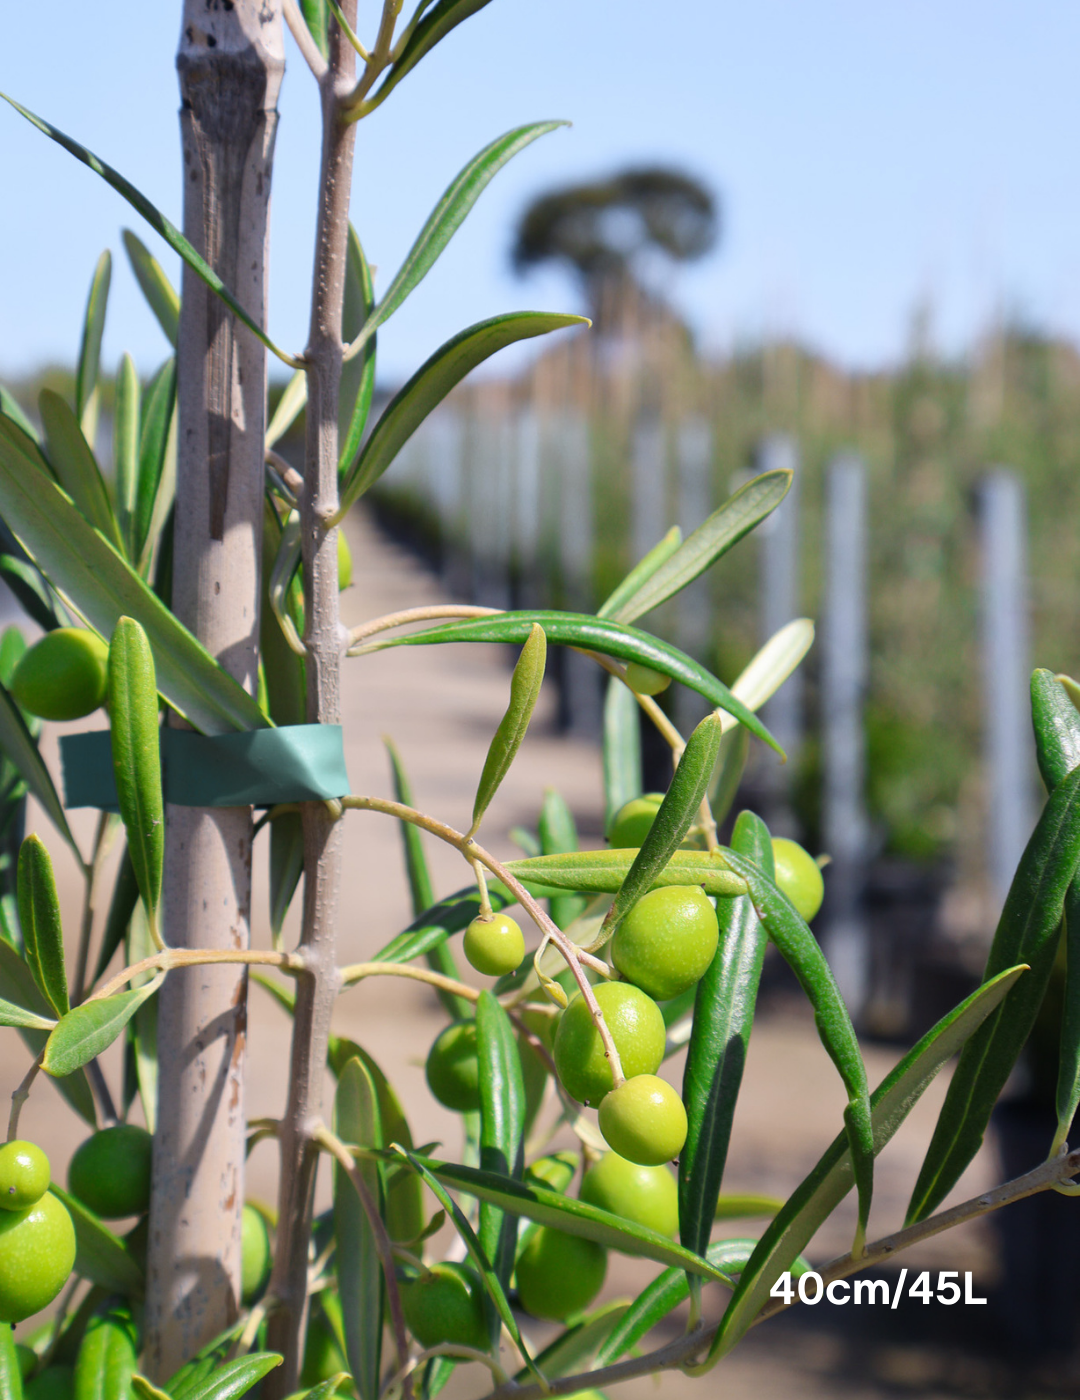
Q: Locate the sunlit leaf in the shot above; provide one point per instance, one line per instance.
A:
(159, 292)
(524, 693)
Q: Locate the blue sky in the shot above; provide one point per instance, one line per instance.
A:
(870, 157)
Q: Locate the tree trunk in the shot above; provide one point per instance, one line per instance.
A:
(230, 63)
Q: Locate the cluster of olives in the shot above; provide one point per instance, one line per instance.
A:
(37, 1238)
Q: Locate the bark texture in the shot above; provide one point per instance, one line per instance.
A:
(230, 64)
(325, 645)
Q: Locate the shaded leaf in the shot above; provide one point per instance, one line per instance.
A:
(430, 385)
(160, 294)
(1027, 932)
(621, 749)
(136, 754)
(286, 866)
(576, 1347)
(358, 374)
(126, 449)
(105, 588)
(524, 693)
(157, 221)
(17, 986)
(436, 924)
(724, 528)
(502, 1125)
(100, 1256)
(289, 407)
(86, 372)
(75, 465)
(19, 749)
(125, 896)
(88, 1029)
(157, 464)
(359, 1272)
(12, 1015)
(235, 1378)
(39, 919)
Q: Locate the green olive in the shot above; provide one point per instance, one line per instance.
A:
(110, 1172)
(453, 1073)
(647, 1196)
(559, 1275)
(798, 875)
(24, 1175)
(344, 561)
(54, 1383)
(63, 676)
(446, 1304)
(644, 1120)
(636, 1026)
(37, 1254)
(644, 680)
(633, 821)
(255, 1255)
(667, 941)
(494, 944)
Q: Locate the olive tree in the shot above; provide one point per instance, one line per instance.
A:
(193, 590)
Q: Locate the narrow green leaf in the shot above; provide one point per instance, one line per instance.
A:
(430, 1176)
(12, 1015)
(160, 294)
(640, 574)
(358, 374)
(575, 1348)
(204, 1363)
(147, 1390)
(558, 834)
(316, 18)
(18, 987)
(724, 1009)
(20, 750)
(325, 1389)
(446, 218)
(622, 749)
(126, 449)
(725, 527)
(548, 1207)
(108, 1353)
(142, 1028)
(86, 373)
(77, 560)
(11, 1386)
(359, 1272)
(100, 1256)
(416, 867)
(589, 634)
(289, 407)
(35, 597)
(1067, 1096)
(1027, 932)
(724, 788)
(286, 866)
(125, 896)
(800, 950)
(75, 465)
(236, 1378)
(742, 1207)
(136, 750)
(430, 385)
(157, 464)
(502, 1125)
(9, 407)
(157, 221)
(1057, 728)
(815, 1199)
(283, 668)
(673, 820)
(39, 919)
(87, 1030)
(524, 693)
(434, 26)
(604, 872)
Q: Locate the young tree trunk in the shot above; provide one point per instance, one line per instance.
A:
(230, 63)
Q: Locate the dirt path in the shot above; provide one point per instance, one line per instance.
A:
(441, 705)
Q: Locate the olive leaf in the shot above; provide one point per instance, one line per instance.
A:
(640, 574)
(12, 1015)
(126, 448)
(673, 820)
(358, 376)
(86, 372)
(502, 1125)
(39, 918)
(90, 1028)
(75, 465)
(524, 693)
(108, 1352)
(622, 749)
(357, 1120)
(606, 871)
(136, 749)
(1057, 728)
(100, 1256)
(160, 294)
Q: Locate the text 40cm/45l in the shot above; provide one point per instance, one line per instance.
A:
(811, 1288)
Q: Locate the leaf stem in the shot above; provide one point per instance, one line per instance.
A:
(170, 958)
(472, 851)
(19, 1097)
(357, 972)
(431, 612)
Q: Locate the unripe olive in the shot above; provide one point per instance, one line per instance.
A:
(453, 1071)
(255, 1255)
(110, 1172)
(555, 1172)
(798, 875)
(644, 1120)
(323, 1358)
(667, 941)
(446, 1304)
(37, 1254)
(63, 676)
(636, 1026)
(647, 1196)
(344, 561)
(494, 944)
(24, 1175)
(633, 821)
(644, 680)
(559, 1275)
(54, 1383)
